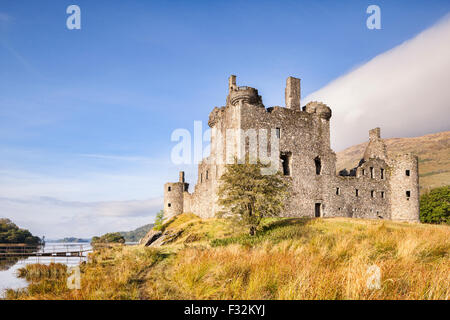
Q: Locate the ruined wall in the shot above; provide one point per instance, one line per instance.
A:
(377, 188)
(365, 195)
(303, 138)
(202, 198)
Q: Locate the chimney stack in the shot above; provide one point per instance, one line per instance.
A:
(292, 93)
(182, 176)
(374, 134)
(232, 83)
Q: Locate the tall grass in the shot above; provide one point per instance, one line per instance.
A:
(288, 259)
(318, 259)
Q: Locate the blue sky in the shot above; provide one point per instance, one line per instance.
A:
(86, 115)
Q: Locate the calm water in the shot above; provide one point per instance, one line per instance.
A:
(9, 267)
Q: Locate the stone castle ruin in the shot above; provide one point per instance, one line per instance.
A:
(379, 187)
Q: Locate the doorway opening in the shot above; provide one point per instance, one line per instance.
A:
(317, 210)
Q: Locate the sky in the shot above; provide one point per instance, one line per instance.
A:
(86, 116)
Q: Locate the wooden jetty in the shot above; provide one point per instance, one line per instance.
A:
(26, 250)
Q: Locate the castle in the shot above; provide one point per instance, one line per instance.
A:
(380, 187)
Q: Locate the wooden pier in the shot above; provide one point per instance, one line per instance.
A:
(57, 250)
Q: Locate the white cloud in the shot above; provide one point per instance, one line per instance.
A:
(56, 218)
(405, 91)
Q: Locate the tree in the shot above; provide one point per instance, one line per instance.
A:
(11, 233)
(159, 220)
(435, 206)
(247, 193)
(113, 237)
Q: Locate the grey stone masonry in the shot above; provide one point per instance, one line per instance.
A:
(298, 141)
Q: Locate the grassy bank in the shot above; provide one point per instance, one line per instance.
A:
(288, 259)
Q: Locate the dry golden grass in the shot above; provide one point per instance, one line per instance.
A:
(329, 261)
(288, 259)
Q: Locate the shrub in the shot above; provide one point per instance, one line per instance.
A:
(113, 237)
(435, 206)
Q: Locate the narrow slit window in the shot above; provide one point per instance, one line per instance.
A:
(357, 192)
(382, 173)
(169, 189)
(278, 132)
(371, 172)
(408, 194)
(338, 191)
(363, 172)
(372, 193)
(382, 194)
(408, 173)
(201, 177)
(318, 164)
(286, 163)
(207, 175)
(169, 205)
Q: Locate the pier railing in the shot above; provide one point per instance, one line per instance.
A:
(52, 250)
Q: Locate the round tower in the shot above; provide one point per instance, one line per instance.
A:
(173, 197)
(404, 193)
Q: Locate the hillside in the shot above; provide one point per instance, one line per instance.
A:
(287, 259)
(137, 234)
(11, 233)
(433, 151)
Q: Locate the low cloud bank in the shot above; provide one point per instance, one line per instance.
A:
(57, 218)
(405, 91)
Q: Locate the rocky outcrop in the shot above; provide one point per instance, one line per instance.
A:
(150, 237)
(157, 238)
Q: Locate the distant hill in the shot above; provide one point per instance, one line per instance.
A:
(433, 151)
(137, 234)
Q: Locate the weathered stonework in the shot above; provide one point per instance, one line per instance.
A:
(379, 187)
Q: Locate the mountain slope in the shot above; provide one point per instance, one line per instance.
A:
(137, 234)
(433, 151)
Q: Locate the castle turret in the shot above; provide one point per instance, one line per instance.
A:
(244, 94)
(173, 196)
(404, 185)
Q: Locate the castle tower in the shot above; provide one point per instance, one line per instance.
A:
(404, 185)
(173, 197)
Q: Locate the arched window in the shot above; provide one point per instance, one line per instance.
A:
(318, 164)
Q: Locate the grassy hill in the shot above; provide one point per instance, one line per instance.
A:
(433, 151)
(287, 259)
(137, 234)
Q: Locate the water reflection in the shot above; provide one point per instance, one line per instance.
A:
(10, 265)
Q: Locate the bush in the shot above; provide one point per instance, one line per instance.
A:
(113, 237)
(11, 233)
(435, 205)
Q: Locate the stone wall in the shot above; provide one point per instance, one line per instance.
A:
(305, 156)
